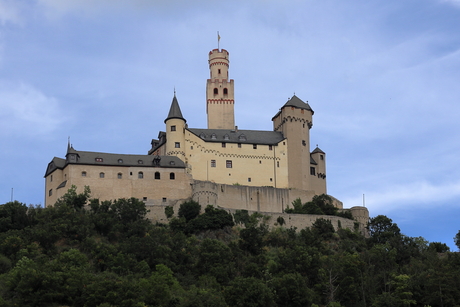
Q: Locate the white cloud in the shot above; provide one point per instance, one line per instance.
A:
(26, 110)
(420, 194)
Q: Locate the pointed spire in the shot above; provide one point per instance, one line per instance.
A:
(174, 111)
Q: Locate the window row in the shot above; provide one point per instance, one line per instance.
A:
(140, 175)
(216, 91)
(229, 163)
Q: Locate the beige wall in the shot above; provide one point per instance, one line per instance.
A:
(130, 185)
(260, 164)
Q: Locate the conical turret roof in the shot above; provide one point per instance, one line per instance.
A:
(174, 111)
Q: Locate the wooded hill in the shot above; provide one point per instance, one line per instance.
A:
(83, 252)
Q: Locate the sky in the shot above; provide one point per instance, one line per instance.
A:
(382, 77)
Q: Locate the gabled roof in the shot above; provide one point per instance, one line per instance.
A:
(238, 136)
(109, 159)
(174, 111)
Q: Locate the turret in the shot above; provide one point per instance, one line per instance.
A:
(175, 130)
(295, 120)
(220, 92)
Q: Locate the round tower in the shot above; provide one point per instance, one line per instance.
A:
(175, 131)
(220, 92)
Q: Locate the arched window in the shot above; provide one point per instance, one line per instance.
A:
(83, 174)
(101, 175)
(157, 175)
(225, 91)
(216, 91)
(140, 175)
(120, 175)
(172, 176)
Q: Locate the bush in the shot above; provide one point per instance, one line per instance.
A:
(189, 210)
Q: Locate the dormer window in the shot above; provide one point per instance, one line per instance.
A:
(99, 160)
(120, 160)
(226, 137)
(242, 137)
(140, 162)
(172, 163)
(202, 135)
(213, 136)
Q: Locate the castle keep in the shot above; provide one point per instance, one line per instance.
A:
(222, 165)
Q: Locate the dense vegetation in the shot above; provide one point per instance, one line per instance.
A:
(107, 254)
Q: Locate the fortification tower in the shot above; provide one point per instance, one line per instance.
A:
(220, 97)
(175, 131)
(294, 120)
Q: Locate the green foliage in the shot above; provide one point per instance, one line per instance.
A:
(189, 210)
(457, 239)
(319, 205)
(211, 219)
(169, 211)
(109, 254)
(280, 220)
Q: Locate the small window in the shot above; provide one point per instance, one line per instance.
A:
(312, 171)
(254, 146)
(144, 198)
(99, 160)
(140, 175)
(120, 160)
(140, 162)
(229, 163)
(157, 175)
(225, 91)
(226, 137)
(213, 163)
(270, 147)
(284, 143)
(218, 71)
(304, 143)
(173, 128)
(172, 163)
(177, 144)
(242, 137)
(213, 136)
(120, 176)
(172, 176)
(83, 174)
(50, 192)
(202, 135)
(164, 199)
(239, 145)
(191, 147)
(130, 173)
(271, 179)
(101, 175)
(321, 157)
(260, 161)
(216, 91)
(249, 179)
(277, 163)
(51, 178)
(224, 145)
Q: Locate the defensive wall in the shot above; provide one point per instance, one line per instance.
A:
(268, 201)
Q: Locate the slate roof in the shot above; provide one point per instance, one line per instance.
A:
(238, 136)
(174, 111)
(317, 150)
(109, 159)
(298, 103)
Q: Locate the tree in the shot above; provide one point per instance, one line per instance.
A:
(457, 239)
(250, 292)
(13, 215)
(382, 229)
(189, 210)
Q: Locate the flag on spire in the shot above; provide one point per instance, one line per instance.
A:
(218, 40)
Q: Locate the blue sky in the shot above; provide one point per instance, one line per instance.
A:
(381, 76)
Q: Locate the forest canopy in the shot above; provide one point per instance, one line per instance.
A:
(86, 252)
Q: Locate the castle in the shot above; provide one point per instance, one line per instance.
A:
(222, 165)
